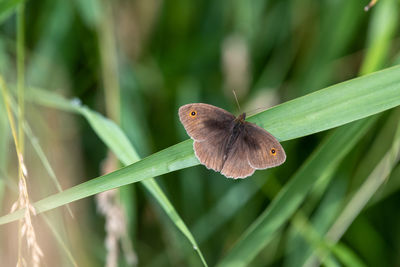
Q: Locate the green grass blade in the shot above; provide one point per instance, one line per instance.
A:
(382, 30)
(321, 246)
(324, 109)
(347, 256)
(38, 149)
(117, 141)
(318, 166)
(300, 243)
(224, 210)
(61, 241)
(367, 190)
(162, 163)
(215, 218)
(333, 106)
(111, 135)
(7, 7)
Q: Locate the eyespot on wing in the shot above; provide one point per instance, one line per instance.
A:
(264, 149)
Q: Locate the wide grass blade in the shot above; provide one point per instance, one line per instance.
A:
(333, 106)
(324, 109)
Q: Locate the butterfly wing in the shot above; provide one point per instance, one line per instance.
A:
(211, 151)
(237, 164)
(209, 127)
(203, 121)
(264, 151)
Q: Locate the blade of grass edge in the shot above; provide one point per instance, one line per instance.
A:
(289, 120)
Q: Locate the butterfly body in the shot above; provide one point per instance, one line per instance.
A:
(229, 144)
(236, 129)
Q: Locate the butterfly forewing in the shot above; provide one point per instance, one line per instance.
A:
(202, 120)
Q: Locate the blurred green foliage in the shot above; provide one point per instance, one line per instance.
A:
(136, 62)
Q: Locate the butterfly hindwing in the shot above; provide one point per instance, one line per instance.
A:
(236, 164)
(210, 152)
(264, 151)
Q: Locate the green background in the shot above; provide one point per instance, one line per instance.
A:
(101, 76)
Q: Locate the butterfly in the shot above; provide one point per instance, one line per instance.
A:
(229, 144)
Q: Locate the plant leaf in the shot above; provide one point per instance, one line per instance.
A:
(315, 112)
(320, 164)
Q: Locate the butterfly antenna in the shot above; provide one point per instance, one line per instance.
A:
(237, 101)
(370, 4)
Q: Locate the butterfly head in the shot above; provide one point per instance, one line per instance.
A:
(241, 117)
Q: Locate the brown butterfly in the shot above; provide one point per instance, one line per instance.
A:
(227, 144)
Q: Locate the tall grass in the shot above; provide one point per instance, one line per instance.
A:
(87, 77)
